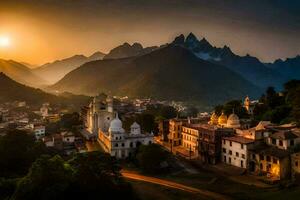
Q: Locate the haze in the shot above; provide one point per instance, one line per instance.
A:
(43, 30)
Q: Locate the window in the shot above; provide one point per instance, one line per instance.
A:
(224, 150)
(261, 157)
(123, 144)
(242, 146)
(242, 163)
(296, 163)
(274, 160)
(292, 142)
(224, 142)
(261, 166)
(274, 141)
(131, 144)
(230, 152)
(280, 143)
(116, 145)
(229, 160)
(237, 154)
(268, 158)
(243, 156)
(253, 156)
(230, 143)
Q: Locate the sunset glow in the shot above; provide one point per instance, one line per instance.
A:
(4, 41)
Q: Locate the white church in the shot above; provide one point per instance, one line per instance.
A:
(103, 122)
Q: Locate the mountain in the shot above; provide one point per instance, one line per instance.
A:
(52, 72)
(247, 66)
(19, 92)
(289, 68)
(11, 91)
(169, 73)
(126, 50)
(20, 73)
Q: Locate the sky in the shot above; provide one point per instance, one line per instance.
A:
(42, 31)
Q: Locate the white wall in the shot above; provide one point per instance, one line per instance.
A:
(235, 148)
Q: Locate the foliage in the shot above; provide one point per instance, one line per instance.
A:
(151, 157)
(18, 150)
(85, 176)
(230, 107)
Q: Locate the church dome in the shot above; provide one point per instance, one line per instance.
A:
(214, 119)
(222, 119)
(233, 121)
(116, 125)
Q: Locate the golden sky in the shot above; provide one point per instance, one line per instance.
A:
(45, 30)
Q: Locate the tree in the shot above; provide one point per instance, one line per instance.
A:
(47, 179)
(68, 121)
(18, 150)
(151, 157)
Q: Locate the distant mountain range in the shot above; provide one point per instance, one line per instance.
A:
(289, 68)
(21, 73)
(127, 50)
(187, 69)
(53, 72)
(247, 66)
(172, 72)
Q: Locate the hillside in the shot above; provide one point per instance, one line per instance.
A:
(52, 72)
(171, 73)
(20, 73)
(11, 90)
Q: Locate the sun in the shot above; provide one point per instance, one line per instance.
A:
(4, 41)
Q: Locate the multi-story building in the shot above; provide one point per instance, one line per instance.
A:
(283, 139)
(163, 128)
(174, 135)
(235, 150)
(210, 142)
(190, 137)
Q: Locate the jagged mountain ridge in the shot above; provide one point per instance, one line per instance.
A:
(168, 73)
(247, 66)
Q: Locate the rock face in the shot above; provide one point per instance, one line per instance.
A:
(53, 72)
(127, 50)
(172, 72)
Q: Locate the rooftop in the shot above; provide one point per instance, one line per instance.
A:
(270, 151)
(284, 135)
(239, 139)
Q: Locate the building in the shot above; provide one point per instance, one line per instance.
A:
(235, 150)
(190, 137)
(270, 161)
(120, 144)
(222, 121)
(99, 115)
(295, 159)
(174, 135)
(68, 137)
(210, 142)
(283, 139)
(39, 132)
(163, 128)
(249, 105)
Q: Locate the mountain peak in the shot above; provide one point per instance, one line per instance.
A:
(179, 40)
(191, 37)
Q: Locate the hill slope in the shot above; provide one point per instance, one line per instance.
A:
(20, 73)
(52, 72)
(172, 73)
(11, 90)
(289, 68)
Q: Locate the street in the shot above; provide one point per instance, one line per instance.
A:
(171, 184)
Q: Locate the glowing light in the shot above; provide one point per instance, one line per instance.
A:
(4, 41)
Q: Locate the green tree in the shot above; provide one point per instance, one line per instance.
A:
(48, 179)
